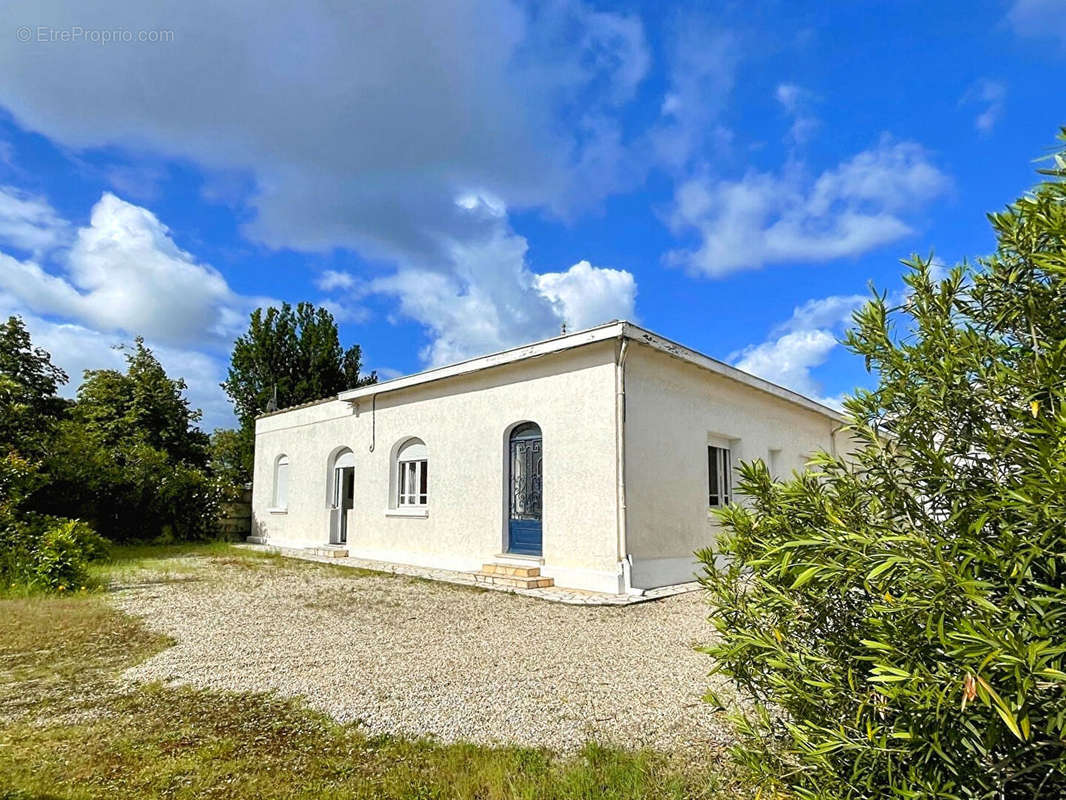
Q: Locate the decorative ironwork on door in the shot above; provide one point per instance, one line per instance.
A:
(527, 491)
(526, 478)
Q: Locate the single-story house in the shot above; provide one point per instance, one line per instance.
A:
(594, 458)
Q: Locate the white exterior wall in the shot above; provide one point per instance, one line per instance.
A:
(673, 411)
(464, 422)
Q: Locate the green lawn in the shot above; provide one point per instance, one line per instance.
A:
(69, 729)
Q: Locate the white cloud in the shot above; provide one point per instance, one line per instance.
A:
(796, 102)
(357, 126)
(29, 223)
(825, 312)
(788, 359)
(1038, 18)
(991, 96)
(767, 218)
(702, 60)
(345, 312)
(359, 123)
(122, 276)
(332, 279)
(799, 345)
(585, 295)
(489, 299)
(124, 273)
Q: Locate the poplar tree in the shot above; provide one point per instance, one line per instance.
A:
(288, 356)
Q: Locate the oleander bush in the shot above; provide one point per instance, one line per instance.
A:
(897, 618)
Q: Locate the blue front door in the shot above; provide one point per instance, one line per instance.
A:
(526, 496)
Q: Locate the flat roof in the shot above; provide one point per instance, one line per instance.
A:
(616, 329)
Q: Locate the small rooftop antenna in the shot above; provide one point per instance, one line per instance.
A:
(272, 403)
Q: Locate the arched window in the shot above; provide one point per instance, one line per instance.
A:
(281, 482)
(412, 474)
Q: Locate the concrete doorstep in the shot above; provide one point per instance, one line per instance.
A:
(497, 577)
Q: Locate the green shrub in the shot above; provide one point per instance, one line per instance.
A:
(899, 618)
(39, 551)
(62, 555)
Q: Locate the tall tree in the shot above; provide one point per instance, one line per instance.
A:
(898, 616)
(143, 404)
(29, 380)
(293, 356)
(130, 457)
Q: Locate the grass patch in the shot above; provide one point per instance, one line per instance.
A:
(70, 729)
(62, 654)
(139, 563)
(181, 743)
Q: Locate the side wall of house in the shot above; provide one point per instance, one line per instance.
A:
(674, 410)
(464, 423)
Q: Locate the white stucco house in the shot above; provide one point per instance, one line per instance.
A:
(593, 458)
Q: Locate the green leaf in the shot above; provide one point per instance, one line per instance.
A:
(805, 577)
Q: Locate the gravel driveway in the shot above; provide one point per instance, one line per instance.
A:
(412, 657)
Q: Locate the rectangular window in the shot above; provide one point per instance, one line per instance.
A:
(719, 474)
(413, 483)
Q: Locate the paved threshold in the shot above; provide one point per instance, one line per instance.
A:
(552, 594)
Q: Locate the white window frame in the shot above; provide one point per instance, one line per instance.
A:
(412, 477)
(280, 496)
(719, 476)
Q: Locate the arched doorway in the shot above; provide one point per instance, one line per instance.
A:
(526, 485)
(342, 495)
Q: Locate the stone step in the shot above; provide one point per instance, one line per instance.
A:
(511, 570)
(515, 581)
(327, 552)
(256, 539)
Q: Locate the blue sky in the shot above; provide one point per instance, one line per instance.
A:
(457, 177)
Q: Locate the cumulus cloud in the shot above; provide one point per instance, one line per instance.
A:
(585, 295)
(799, 345)
(360, 146)
(29, 223)
(788, 359)
(766, 218)
(489, 299)
(124, 273)
(823, 312)
(363, 147)
(991, 97)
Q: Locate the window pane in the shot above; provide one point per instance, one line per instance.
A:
(712, 474)
(727, 477)
(281, 486)
(423, 484)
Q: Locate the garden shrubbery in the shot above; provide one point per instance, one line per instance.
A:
(39, 551)
(123, 460)
(899, 617)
